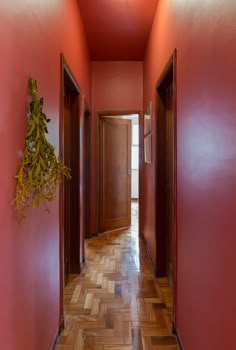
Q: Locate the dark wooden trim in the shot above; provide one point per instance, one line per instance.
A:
(141, 169)
(171, 65)
(117, 113)
(87, 181)
(175, 182)
(149, 255)
(61, 136)
(99, 114)
(62, 325)
(96, 170)
(64, 68)
(56, 340)
(175, 331)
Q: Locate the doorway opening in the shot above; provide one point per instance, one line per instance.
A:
(166, 176)
(70, 230)
(119, 168)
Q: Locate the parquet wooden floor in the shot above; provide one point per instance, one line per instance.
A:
(117, 303)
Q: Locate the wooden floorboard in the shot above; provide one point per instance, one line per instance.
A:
(116, 303)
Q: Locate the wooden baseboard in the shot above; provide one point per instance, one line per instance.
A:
(93, 234)
(141, 235)
(175, 331)
(61, 328)
(149, 255)
(62, 325)
(81, 265)
(56, 341)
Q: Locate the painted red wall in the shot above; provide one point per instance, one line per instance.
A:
(32, 36)
(204, 35)
(116, 86)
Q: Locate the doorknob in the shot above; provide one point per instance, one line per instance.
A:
(129, 172)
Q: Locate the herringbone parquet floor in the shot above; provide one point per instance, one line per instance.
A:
(117, 303)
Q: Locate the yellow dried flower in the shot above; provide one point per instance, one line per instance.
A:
(40, 170)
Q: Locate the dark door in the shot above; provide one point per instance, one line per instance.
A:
(165, 178)
(71, 189)
(115, 173)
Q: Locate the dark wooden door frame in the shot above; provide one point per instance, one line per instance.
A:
(118, 113)
(84, 113)
(73, 85)
(87, 170)
(160, 239)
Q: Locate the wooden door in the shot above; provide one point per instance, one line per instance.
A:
(169, 186)
(115, 173)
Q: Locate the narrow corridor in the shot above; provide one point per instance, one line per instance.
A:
(117, 303)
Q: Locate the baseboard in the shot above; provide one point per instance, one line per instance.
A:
(149, 255)
(175, 331)
(81, 266)
(56, 341)
(62, 325)
(141, 235)
(90, 235)
(61, 328)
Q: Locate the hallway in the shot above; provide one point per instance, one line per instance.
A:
(117, 303)
(117, 57)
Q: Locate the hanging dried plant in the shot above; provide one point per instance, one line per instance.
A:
(40, 170)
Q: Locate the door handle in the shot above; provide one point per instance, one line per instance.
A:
(129, 172)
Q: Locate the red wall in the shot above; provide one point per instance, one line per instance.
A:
(32, 36)
(116, 86)
(204, 35)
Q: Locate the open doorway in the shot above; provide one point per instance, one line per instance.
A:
(118, 163)
(166, 176)
(70, 230)
(135, 166)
